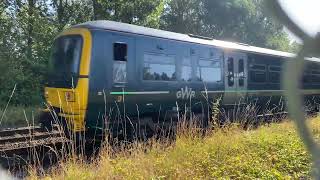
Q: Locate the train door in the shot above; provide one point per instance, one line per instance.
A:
(235, 78)
(123, 58)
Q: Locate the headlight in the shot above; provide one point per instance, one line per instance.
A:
(46, 94)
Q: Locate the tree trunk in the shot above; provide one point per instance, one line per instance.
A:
(60, 11)
(95, 9)
(31, 6)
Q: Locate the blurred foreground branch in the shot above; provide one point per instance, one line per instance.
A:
(292, 77)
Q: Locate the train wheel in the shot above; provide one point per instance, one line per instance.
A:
(46, 121)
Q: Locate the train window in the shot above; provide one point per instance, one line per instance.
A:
(208, 67)
(186, 69)
(203, 52)
(159, 67)
(119, 72)
(310, 74)
(257, 73)
(315, 72)
(274, 77)
(307, 78)
(230, 71)
(65, 61)
(315, 78)
(258, 67)
(120, 62)
(120, 51)
(241, 72)
(208, 70)
(275, 68)
(274, 74)
(192, 51)
(257, 76)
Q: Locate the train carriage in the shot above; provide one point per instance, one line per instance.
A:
(102, 70)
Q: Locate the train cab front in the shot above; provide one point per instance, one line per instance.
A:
(66, 89)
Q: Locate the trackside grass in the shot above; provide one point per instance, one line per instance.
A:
(18, 116)
(269, 152)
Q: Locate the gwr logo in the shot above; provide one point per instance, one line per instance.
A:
(186, 93)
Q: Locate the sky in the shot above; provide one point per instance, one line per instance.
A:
(306, 13)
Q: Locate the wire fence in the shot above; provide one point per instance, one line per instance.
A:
(291, 78)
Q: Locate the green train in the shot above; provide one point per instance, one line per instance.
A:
(105, 73)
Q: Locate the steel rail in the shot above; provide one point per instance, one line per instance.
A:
(24, 130)
(16, 139)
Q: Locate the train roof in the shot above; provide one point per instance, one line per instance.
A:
(129, 28)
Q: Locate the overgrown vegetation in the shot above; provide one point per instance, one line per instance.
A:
(18, 116)
(28, 27)
(270, 152)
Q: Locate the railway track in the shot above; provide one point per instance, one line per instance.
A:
(23, 130)
(19, 143)
(28, 137)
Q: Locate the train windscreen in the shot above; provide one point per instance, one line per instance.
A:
(64, 62)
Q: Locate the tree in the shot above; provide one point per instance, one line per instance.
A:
(183, 16)
(245, 21)
(26, 35)
(295, 47)
(141, 12)
(73, 12)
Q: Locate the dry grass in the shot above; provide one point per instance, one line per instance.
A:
(273, 151)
